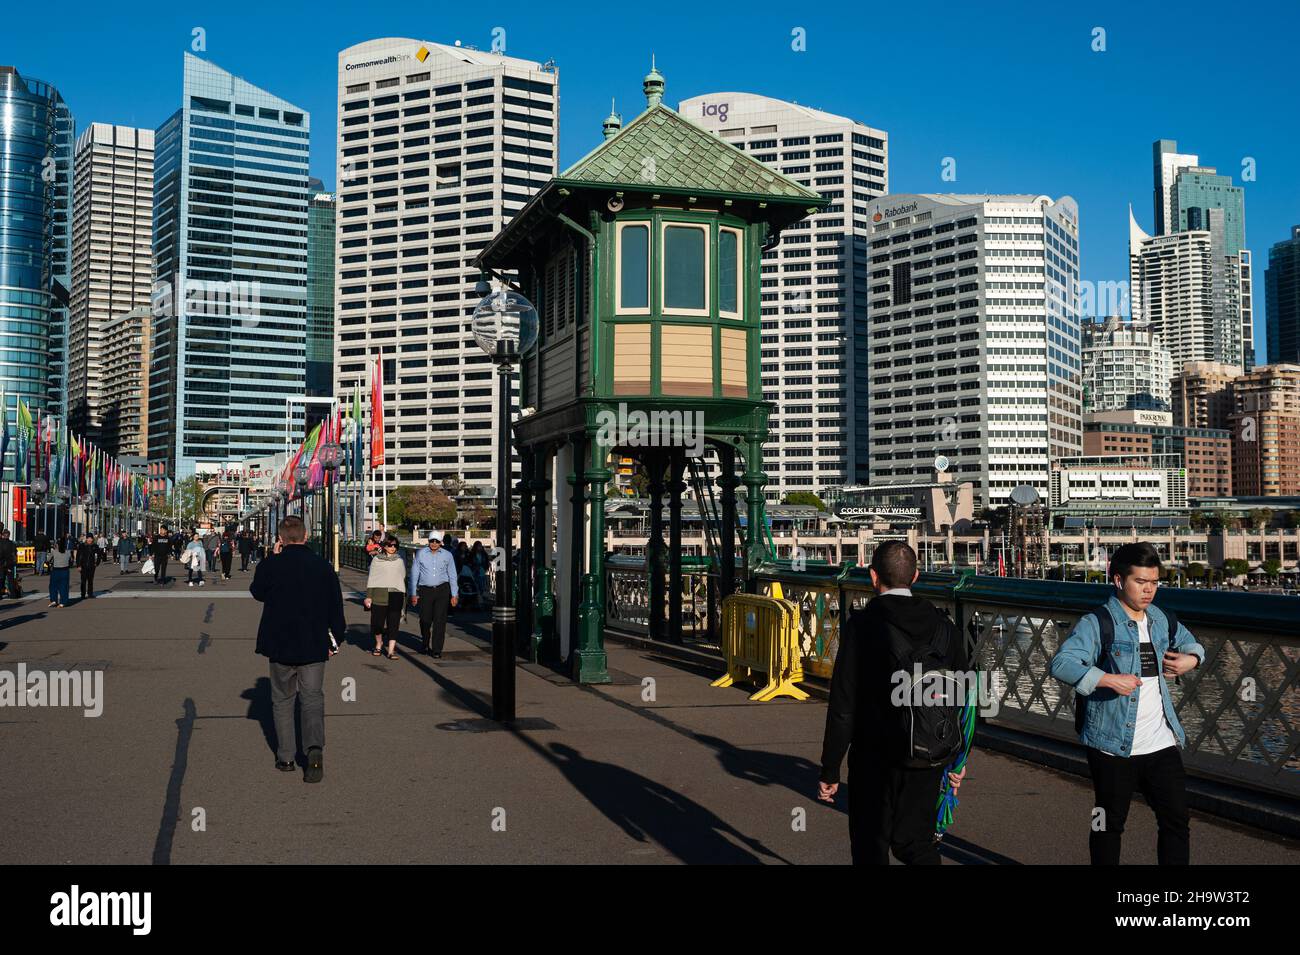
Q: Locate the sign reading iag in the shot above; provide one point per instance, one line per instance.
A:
(715, 109)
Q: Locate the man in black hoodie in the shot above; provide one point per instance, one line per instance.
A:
(302, 622)
(891, 807)
(160, 550)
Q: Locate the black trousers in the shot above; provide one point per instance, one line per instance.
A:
(226, 560)
(1160, 778)
(160, 569)
(386, 619)
(88, 581)
(892, 808)
(243, 560)
(434, 604)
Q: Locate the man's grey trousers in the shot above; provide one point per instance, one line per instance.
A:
(290, 683)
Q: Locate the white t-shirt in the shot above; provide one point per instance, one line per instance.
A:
(1152, 732)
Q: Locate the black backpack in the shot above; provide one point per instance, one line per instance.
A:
(1107, 627)
(925, 736)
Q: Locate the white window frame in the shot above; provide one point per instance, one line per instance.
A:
(739, 313)
(618, 266)
(664, 226)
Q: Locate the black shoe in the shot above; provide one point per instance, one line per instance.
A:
(426, 649)
(437, 656)
(285, 767)
(315, 766)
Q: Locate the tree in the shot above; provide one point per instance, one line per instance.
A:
(1196, 571)
(1272, 567)
(187, 498)
(1198, 520)
(805, 498)
(1293, 518)
(1261, 517)
(411, 505)
(1235, 567)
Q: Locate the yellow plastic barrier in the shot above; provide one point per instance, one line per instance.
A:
(26, 555)
(761, 635)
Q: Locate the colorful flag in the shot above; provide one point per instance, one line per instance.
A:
(24, 437)
(377, 417)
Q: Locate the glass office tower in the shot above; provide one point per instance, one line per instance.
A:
(36, 137)
(230, 273)
(320, 294)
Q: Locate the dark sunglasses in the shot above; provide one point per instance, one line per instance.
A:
(393, 546)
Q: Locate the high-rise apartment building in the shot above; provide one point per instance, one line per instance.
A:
(975, 344)
(814, 284)
(1190, 197)
(112, 256)
(1205, 453)
(438, 147)
(36, 139)
(1125, 368)
(320, 294)
(1265, 424)
(124, 400)
(1201, 394)
(1188, 291)
(230, 268)
(1282, 293)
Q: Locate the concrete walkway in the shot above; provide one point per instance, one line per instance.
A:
(179, 767)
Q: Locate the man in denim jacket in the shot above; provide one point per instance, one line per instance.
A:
(1131, 731)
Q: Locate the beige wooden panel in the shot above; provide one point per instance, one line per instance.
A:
(735, 354)
(631, 359)
(686, 360)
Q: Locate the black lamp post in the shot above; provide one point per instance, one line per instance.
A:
(505, 326)
(331, 456)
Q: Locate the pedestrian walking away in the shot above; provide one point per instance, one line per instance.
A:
(226, 548)
(41, 543)
(162, 549)
(302, 624)
(245, 549)
(386, 596)
(433, 589)
(897, 751)
(60, 573)
(125, 551)
(1118, 658)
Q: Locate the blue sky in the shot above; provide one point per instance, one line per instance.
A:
(1012, 91)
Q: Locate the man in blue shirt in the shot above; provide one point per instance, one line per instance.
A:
(432, 588)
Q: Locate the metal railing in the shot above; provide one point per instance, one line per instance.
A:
(1240, 709)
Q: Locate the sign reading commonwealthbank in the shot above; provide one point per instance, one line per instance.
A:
(416, 53)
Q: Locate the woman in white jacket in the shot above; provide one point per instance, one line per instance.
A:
(386, 596)
(196, 559)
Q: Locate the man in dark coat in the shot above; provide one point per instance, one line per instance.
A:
(302, 622)
(160, 550)
(8, 563)
(42, 547)
(245, 549)
(890, 806)
(88, 558)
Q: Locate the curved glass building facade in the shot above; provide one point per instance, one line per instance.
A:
(36, 134)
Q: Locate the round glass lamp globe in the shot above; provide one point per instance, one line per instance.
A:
(505, 325)
(40, 486)
(302, 475)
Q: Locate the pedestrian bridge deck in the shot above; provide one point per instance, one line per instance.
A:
(416, 772)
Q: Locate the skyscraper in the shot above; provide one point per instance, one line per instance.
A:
(124, 359)
(1282, 292)
(320, 293)
(1186, 288)
(112, 229)
(815, 331)
(230, 269)
(1190, 197)
(438, 146)
(975, 339)
(35, 239)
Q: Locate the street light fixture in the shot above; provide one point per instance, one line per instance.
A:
(331, 456)
(505, 327)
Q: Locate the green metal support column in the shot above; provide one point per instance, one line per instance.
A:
(755, 480)
(657, 551)
(542, 643)
(590, 661)
(728, 482)
(676, 488)
(577, 546)
(524, 580)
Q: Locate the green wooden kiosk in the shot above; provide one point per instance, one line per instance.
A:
(644, 260)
